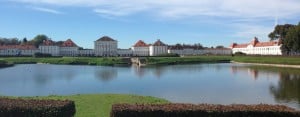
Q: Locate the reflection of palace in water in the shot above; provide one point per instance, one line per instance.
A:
(142, 71)
(254, 73)
(288, 87)
(159, 71)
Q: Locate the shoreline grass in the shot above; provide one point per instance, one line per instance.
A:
(110, 61)
(99, 105)
(66, 60)
(285, 60)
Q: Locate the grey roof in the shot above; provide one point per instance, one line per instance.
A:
(159, 43)
(106, 38)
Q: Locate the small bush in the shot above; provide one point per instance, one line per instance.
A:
(169, 55)
(36, 108)
(3, 62)
(202, 110)
(240, 54)
(41, 55)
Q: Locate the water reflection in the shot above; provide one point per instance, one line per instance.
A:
(159, 71)
(253, 71)
(288, 89)
(194, 83)
(107, 74)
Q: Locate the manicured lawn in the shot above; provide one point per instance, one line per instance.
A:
(188, 59)
(4, 63)
(99, 105)
(268, 59)
(156, 60)
(66, 60)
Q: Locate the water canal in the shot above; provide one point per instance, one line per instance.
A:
(222, 83)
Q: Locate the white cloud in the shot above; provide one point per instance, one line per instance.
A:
(47, 10)
(186, 8)
(243, 16)
(249, 31)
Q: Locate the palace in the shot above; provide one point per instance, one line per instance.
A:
(106, 46)
(258, 48)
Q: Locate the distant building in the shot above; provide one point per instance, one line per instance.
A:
(188, 50)
(140, 48)
(18, 50)
(86, 52)
(258, 48)
(125, 52)
(217, 51)
(49, 47)
(106, 46)
(68, 48)
(158, 48)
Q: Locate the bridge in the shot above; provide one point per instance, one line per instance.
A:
(139, 61)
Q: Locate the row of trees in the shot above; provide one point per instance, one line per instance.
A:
(36, 41)
(196, 46)
(290, 35)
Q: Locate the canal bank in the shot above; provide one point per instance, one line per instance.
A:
(271, 65)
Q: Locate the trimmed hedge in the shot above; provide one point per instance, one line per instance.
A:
(41, 55)
(202, 110)
(36, 108)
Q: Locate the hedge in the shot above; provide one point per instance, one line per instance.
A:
(202, 110)
(36, 108)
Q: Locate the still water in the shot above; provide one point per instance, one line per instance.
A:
(224, 83)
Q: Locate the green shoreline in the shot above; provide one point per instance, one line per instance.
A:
(99, 105)
(118, 61)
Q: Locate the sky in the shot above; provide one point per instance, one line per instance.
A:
(209, 22)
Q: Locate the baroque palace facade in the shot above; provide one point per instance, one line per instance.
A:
(255, 47)
(106, 46)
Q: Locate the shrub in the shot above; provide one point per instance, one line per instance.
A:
(41, 55)
(168, 55)
(240, 54)
(3, 62)
(202, 110)
(36, 108)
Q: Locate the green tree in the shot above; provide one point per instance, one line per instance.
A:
(291, 43)
(25, 40)
(37, 40)
(280, 31)
(220, 46)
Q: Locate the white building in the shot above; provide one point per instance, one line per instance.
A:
(158, 48)
(49, 47)
(125, 52)
(188, 51)
(258, 48)
(18, 50)
(86, 52)
(106, 46)
(217, 51)
(140, 48)
(68, 48)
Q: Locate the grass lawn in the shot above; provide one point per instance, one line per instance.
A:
(66, 60)
(188, 59)
(268, 59)
(99, 105)
(156, 60)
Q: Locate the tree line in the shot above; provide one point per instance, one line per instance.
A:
(36, 41)
(290, 37)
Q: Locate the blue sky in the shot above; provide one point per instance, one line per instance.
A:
(209, 22)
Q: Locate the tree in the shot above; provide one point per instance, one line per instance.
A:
(24, 40)
(220, 46)
(280, 31)
(9, 41)
(198, 46)
(37, 40)
(292, 41)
